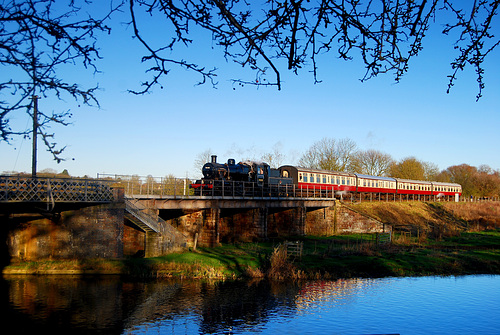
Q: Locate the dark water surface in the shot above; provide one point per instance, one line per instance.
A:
(111, 305)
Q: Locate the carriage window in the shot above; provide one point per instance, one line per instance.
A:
(305, 177)
(324, 179)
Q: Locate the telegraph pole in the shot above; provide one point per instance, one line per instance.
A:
(35, 132)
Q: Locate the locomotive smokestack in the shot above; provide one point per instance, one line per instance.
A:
(214, 158)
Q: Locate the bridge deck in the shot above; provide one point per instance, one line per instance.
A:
(200, 202)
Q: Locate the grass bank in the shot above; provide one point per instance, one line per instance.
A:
(429, 239)
(322, 257)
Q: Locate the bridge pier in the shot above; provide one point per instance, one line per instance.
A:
(89, 232)
(212, 222)
(152, 244)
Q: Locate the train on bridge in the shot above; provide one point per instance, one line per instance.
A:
(258, 178)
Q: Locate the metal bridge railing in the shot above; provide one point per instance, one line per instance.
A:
(135, 185)
(170, 187)
(45, 189)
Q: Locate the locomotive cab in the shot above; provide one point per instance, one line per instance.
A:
(262, 174)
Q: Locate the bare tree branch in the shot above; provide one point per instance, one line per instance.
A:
(36, 39)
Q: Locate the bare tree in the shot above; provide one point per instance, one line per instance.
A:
(371, 162)
(276, 157)
(431, 171)
(37, 38)
(202, 158)
(272, 35)
(329, 154)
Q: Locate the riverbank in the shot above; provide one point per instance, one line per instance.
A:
(428, 239)
(345, 256)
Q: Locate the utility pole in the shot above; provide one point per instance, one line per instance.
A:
(35, 132)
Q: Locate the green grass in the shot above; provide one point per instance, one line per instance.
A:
(323, 257)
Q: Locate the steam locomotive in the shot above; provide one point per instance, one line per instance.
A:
(234, 177)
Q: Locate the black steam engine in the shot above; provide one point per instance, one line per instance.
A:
(237, 178)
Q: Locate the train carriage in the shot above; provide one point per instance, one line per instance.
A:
(312, 180)
(415, 187)
(446, 189)
(374, 184)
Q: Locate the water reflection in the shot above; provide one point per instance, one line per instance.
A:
(110, 305)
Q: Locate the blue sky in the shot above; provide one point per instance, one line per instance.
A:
(163, 132)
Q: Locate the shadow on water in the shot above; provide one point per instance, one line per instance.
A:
(109, 305)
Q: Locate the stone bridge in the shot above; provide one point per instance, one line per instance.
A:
(208, 221)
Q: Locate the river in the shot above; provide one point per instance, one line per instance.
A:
(112, 305)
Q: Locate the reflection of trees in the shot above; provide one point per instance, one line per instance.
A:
(110, 305)
(63, 305)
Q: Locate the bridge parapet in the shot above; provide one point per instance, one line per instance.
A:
(54, 190)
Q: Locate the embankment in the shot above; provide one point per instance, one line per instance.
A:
(428, 239)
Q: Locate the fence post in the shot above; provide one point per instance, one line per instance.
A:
(86, 188)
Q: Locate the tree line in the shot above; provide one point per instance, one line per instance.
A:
(345, 156)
